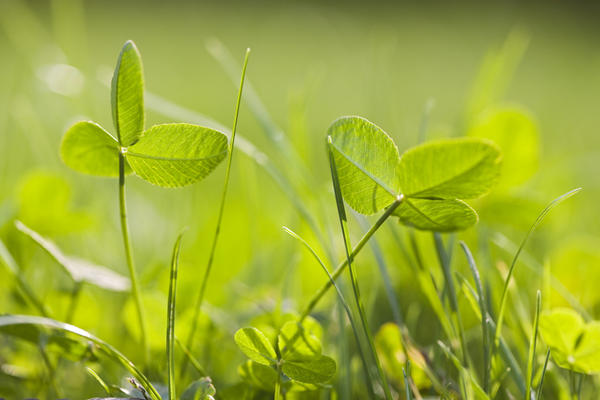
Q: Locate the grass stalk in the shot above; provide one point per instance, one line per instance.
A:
(171, 319)
(532, 345)
(205, 278)
(137, 296)
(541, 384)
(353, 278)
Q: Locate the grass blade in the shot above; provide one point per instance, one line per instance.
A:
(171, 319)
(98, 379)
(484, 313)
(537, 222)
(541, 384)
(354, 280)
(532, 344)
(116, 355)
(344, 305)
(200, 299)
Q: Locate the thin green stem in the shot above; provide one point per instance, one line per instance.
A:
(355, 251)
(73, 301)
(204, 284)
(532, 345)
(171, 319)
(541, 384)
(137, 296)
(353, 278)
(278, 383)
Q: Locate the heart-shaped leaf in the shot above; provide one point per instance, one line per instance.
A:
(80, 270)
(173, 155)
(255, 345)
(463, 168)
(127, 95)
(297, 342)
(316, 370)
(436, 215)
(574, 344)
(366, 159)
(88, 148)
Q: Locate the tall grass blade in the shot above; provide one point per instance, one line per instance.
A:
(537, 222)
(110, 351)
(354, 280)
(484, 313)
(205, 278)
(171, 319)
(98, 379)
(342, 302)
(532, 344)
(541, 384)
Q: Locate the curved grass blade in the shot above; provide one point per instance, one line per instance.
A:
(532, 344)
(98, 379)
(79, 270)
(344, 305)
(484, 313)
(541, 384)
(348, 247)
(116, 355)
(171, 319)
(537, 222)
(200, 298)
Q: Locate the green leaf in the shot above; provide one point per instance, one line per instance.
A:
(516, 132)
(436, 215)
(255, 345)
(202, 389)
(366, 159)
(464, 168)
(575, 345)
(258, 375)
(127, 95)
(173, 155)
(298, 342)
(80, 270)
(88, 148)
(316, 370)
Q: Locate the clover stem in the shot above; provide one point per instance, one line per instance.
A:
(278, 382)
(129, 255)
(342, 266)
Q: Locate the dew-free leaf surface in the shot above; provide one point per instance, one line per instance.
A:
(173, 155)
(255, 345)
(127, 95)
(436, 215)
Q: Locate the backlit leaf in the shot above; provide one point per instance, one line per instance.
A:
(255, 345)
(464, 168)
(172, 155)
(297, 342)
(317, 370)
(436, 215)
(88, 148)
(366, 160)
(127, 95)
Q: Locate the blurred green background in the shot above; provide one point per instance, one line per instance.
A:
(406, 67)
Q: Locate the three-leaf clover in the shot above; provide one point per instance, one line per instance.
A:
(298, 358)
(432, 180)
(168, 155)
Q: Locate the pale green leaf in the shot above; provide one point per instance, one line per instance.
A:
(515, 131)
(88, 148)
(298, 342)
(202, 389)
(173, 155)
(80, 270)
(366, 160)
(127, 95)
(255, 345)
(258, 375)
(436, 215)
(464, 168)
(316, 370)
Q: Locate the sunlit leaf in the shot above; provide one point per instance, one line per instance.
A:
(80, 270)
(516, 132)
(297, 342)
(88, 148)
(316, 370)
(174, 155)
(464, 168)
(436, 215)
(574, 344)
(366, 159)
(127, 95)
(255, 345)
